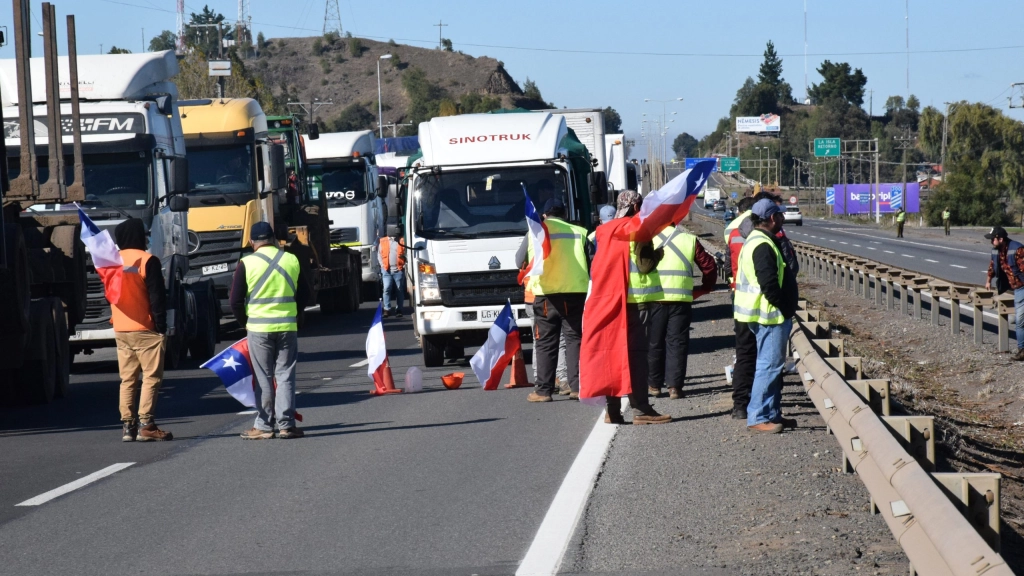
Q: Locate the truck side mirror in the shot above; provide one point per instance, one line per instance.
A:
(598, 188)
(178, 203)
(278, 178)
(179, 176)
(382, 186)
(313, 131)
(421, 245)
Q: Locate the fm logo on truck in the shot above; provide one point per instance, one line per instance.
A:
(488, 138)
(91, 124)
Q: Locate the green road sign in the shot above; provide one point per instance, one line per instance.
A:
(824, 147)
(727, 164)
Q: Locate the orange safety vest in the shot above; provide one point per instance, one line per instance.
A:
(131, 313)
(385, 251)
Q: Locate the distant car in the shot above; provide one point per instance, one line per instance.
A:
(793, 215)
(718, 206)
(729, 214)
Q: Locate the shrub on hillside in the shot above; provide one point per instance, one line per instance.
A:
(355, 47)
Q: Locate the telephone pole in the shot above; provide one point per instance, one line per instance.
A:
(440, 32)
(904, 142)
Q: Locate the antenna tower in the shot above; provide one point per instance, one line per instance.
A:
(332, 17)
(243, 26)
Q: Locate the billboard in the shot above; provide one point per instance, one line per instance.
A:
(762, 123)
(859, 198)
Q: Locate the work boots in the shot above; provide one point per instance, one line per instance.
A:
(129, 431)
(150, 433)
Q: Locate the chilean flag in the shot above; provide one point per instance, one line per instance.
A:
(233, 367)
(106, 258)
(539, 241)
(502, 344)
(668, 205)
(377, 354)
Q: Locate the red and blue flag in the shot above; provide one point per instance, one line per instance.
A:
(502, 344)
(669, 204)
(539, 241)
(106, 258)
(233, 367)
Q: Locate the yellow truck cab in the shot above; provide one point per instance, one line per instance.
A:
(235, 175)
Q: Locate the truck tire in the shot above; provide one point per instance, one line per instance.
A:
(38, 375)
(433, 350)
(62, 350)
(204, 344)
(176, 349)
(328, 300)
(371, 291)
(15, 299)
(66, 240)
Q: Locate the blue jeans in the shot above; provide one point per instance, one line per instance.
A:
(766, 395)
(394, 282)
(1018, 311)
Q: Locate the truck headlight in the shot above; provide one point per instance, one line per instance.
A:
(427, 283)
(365, 255)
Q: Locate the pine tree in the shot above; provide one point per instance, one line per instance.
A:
(770, 73)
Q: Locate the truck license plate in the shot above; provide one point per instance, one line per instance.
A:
(215, 268)
(76, 336)
(489, 315)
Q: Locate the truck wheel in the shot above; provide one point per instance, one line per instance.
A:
(455, 350)
(38, 375)
(67, 241)
(176, 350)
(433, 350)
(15, 299)
(371, 291)
(328, 300)
(203, 346)
(62, 355)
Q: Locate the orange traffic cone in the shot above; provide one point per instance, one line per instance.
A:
(519, 378)
(383, 381)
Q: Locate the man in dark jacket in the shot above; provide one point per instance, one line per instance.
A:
(1007, 269)
(140, 323)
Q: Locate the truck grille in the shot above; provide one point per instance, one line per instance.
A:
(215, 248)
(344, 235)
(97, 309)
(480, 288)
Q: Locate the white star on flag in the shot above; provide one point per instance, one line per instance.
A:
(230, 362)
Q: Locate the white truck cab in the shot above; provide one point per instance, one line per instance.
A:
(465, 218)
(341, 166)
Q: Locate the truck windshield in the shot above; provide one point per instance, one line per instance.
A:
(484, 202)
(344, 185)
(123, 180)
(220, 169)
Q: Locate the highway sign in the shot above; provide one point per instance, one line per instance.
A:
(825, 147)
(691, 162)
(896, 197)
(792, 200)
(830, 196)
(729, 164)
(734, 195)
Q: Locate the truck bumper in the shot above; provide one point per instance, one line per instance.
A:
(221, 286)
(91, 336)
(469, 323)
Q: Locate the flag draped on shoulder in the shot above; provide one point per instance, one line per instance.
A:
(667, 205)
(106, 258)
(539, 241)
(378, 366)
(502, 344)
(233, 367)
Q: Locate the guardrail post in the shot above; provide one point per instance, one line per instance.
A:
(1004, 307)
(957, 295)
(904, 296)
(980, 299)
(875, 392)
(978, 497)
(918, 435)
(881, 280)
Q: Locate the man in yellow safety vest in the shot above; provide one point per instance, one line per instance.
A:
(766, 299)
(267, 295)
(901, 218)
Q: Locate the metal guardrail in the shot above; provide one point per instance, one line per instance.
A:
(948, 524)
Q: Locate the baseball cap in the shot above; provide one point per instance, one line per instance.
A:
(607, 213)
(551, 204)
(765, 208)
(261, 231)
(626, 200)
(997, 232)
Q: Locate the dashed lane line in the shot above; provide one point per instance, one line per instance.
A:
(932, 261)
(872, 248)
(843, 243)
(360, 363)
(888, 251)
(958, 266)
(903, 241)
(906, 255)
(72, 486)
(857, 245)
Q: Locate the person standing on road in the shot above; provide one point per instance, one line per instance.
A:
(946, 214)
(558, 297)
(671, 317)
(140, 323)
(267, 294)
(901, 218)
(766, 299)
(391, 255)
(1007, 268)
(746, 343)
(625, 282)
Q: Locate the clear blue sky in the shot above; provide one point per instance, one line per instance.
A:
(727, 40)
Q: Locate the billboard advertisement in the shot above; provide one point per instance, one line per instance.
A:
(859, 198)
(762, 123)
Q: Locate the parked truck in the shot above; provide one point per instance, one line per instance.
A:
(343, 171)
(465, 217)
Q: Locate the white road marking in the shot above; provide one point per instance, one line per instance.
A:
(906, 255)
(71, 486)
(246, 413)
(958, 266)
(902, 241)
(360, 363)
(872, 248)
(552, 539)
(843, 243)
(857, 245)
(932, 261)
(888, 251)
(873, 242)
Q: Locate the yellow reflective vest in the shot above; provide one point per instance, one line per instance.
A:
(735, 223)
(749, 305)
(565, 268)
(642, 287)
(271, 275)
(676, 269)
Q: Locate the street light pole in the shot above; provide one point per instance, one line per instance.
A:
(380, 104)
